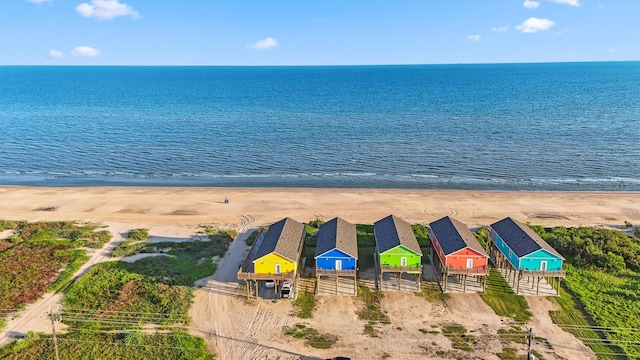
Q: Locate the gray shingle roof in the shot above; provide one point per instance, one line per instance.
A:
(284, 238)
(393, 231)
(453, 235)
(520, 238)
(337, 234)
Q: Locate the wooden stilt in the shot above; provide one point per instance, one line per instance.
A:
(336, 285)
(464, 283)
(538, 287)
(355, 286)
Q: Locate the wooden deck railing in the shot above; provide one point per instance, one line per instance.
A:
(253, 276)
(407, 269)
(547, 273)
(481, 270)
(327, 272)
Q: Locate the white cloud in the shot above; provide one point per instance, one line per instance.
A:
(264, 44)
(474, 38)
(55, 54)
(575, 3)
(39, 1)
(500, 29)
(602, 6)
(318, 21)
(533, 25)
(85, 51)
(612, 50)
(106, 10)
(530, 4)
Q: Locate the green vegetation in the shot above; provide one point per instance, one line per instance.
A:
(371, 310)
(132, 244)
(515, 334)
(109, 308)
(77, 234)
(42, 256)
(483, 238)
(366, 246)
(304, 305)
(459, 338)
(430, 290)
(112, 345)
(252, 238)
(422, 234)
(603, 281)
(594, 248)
(312, 337)
(116, 287)
(501, 298)
(510, 354)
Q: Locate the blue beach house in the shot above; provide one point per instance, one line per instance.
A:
(337, 250)
(515, 246)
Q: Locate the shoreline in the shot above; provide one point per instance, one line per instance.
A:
(256, 206)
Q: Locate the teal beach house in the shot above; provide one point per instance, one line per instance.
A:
(521, 252)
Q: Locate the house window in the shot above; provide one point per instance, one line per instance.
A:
(469, 263)
(338, 264)
(403, 261)
(543, 266)
(278, 269)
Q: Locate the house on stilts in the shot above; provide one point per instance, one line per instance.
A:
(457, 253)
(336, 252)
(275, 255)
(520, 253)
(397, 249)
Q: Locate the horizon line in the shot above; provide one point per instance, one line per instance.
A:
(316, 65)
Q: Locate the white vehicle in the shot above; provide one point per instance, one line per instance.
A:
(269, 284)
(286, 289)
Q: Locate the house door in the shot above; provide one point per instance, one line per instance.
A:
(403, 261)
(278, 270)
(338, 264)
(469, 263)
(543, 266)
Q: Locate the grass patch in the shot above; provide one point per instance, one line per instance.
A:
(458, 336)
(510, 354)
(371, 310)
(304, 304)
(132, 244)
(572, 315)
(430, 291)
(311, 336)
(370, 329)
(371, 305)
(42, 257)
(501, 298)
(515, 334)
(117, 345)
(252, 238)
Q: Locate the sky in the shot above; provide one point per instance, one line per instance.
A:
(316, 32)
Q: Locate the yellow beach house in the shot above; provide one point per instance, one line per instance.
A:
(275, 255)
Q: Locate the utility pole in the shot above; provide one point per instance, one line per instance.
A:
(55, 340)
(529, 340)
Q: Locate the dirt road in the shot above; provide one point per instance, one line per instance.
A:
(234, 328)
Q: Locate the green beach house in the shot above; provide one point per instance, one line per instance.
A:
(397, 248)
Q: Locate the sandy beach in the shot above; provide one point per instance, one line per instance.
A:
(159, 206)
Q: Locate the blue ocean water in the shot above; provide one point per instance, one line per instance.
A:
(553, 126)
